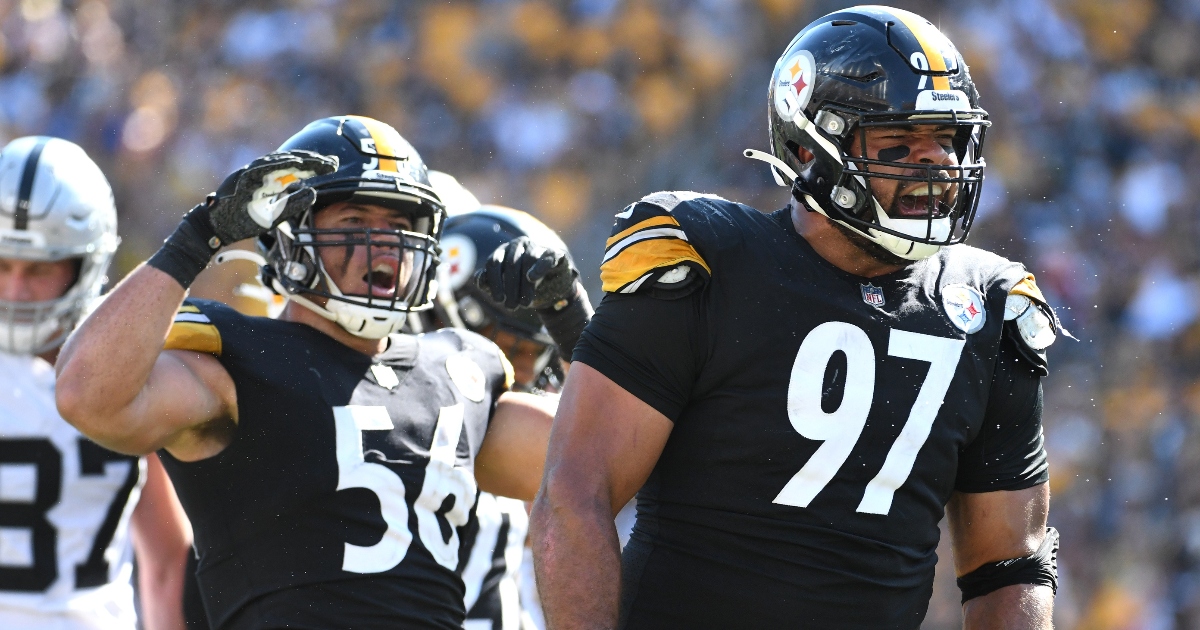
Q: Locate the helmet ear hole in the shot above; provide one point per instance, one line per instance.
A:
(804, 155)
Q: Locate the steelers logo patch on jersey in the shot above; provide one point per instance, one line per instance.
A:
(648, 246)
(964, 306)
(467, 377)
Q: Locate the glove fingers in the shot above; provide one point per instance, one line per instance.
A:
(513, 273)
(493, 278)
(543, 265)
(298, 202)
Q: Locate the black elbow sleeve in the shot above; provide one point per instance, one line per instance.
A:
(1040, 568)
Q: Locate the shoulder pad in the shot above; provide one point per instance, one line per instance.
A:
(192, 330)
(468, 340)
(649, 249)
(1031, 322)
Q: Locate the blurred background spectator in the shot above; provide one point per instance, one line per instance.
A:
(572, 109)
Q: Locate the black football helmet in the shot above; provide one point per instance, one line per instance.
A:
(469, 239)
(375, 166)
(869, 67)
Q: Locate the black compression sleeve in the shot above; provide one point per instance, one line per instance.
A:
(652, 348)
(1008, 453)
(1039, 569)
(565, 325)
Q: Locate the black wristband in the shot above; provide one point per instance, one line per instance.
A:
(188, 249)
(566, 320)
(1039, 569)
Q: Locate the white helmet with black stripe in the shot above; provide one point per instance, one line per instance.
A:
(55, 204)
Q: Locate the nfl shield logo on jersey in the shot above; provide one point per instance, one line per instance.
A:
(872, 294)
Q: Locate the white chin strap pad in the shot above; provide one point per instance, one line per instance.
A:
(904, 248)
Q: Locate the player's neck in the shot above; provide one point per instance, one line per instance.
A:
(832, 245)
(294, 312)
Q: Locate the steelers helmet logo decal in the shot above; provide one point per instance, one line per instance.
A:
(964, 306)
(458, 259)
(467, 377)
(794, 80)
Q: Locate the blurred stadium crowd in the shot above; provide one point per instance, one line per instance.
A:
(571, 109)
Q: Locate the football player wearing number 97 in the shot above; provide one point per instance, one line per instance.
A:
(68, 507)
(798, 397)
(328, 463)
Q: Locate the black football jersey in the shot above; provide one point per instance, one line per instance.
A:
(341, 499)
(821, 420)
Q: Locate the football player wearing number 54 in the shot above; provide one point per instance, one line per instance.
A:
(800, 396)
(69, 507)
(328, 463)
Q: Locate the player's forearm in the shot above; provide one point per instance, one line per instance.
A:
(161, 599)
(108, 360)
(1016, 607)
(162, 538)
(577, 559)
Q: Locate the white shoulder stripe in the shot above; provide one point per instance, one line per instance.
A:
(620, 245)
(635, 285)
(199, 318)
(667, 200)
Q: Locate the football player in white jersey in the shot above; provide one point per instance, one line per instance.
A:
(68, 508)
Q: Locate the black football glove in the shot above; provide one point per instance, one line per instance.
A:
(521, 273)
(251, 201)
(524, 274)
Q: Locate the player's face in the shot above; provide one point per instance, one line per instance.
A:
(522, 353)
(35, 281)
(388, 266)
(911, 144)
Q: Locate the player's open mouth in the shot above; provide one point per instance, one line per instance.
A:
(917, 202)
(381, 279)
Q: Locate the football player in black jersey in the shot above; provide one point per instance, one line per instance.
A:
(327, 464)
(798, 397)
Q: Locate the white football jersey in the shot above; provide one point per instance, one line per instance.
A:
(490, 576)
(65, 503)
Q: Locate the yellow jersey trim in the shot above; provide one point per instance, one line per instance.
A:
(643, 257)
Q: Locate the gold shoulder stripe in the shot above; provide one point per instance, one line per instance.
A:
(194, 336)
(1029, 289)
(642, 257)
(188, 308)
(648, 223)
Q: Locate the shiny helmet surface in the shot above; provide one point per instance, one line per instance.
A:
(376, 166)
(872, 67)
(55, 204)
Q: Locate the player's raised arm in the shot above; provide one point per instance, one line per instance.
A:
(115, 383)
(538, 275)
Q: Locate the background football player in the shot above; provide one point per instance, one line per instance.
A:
(327, 464)
(68, 507)
(499, 574)
(800, 396)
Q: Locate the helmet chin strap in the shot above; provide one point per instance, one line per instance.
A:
(902, 247)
